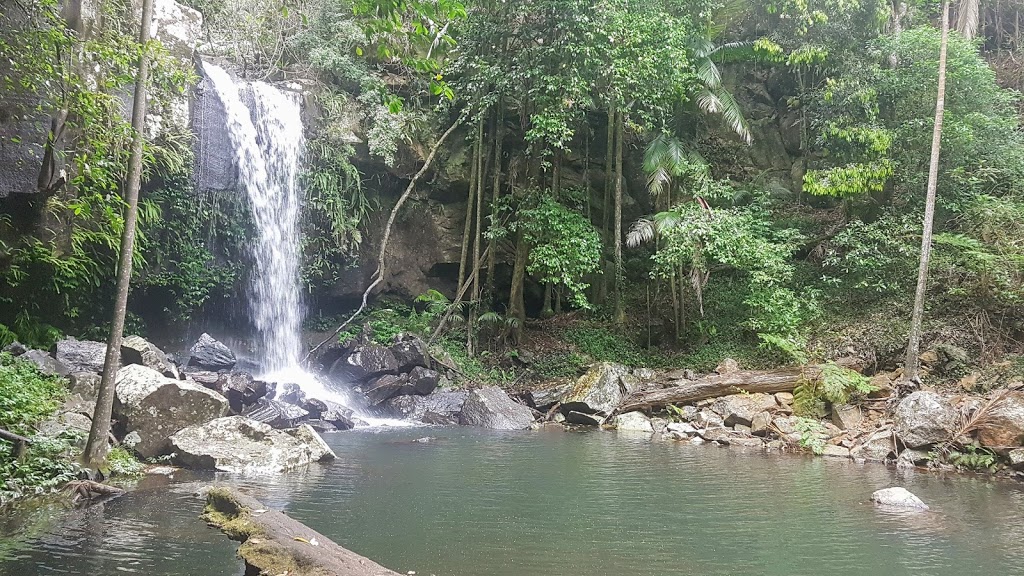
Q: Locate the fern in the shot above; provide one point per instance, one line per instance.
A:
(835, 385)
(812, 434)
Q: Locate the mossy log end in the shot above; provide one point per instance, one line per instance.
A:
(273, 543)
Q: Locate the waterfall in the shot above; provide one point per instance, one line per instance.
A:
(264, 126)
(267, 139)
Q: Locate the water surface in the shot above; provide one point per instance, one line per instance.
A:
(556, 503)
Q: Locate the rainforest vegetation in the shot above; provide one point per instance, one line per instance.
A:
(662, 183)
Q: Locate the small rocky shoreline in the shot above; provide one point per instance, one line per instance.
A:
(207, 412)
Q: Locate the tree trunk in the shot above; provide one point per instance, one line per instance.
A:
(96, 446)
(742, 381)
(477, 238)
(468, 227)
(492, 258)
(601, 295)
(912, 363)
(516, 302)
(620, 314)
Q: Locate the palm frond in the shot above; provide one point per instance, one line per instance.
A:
(708, 73)
(641, 232)
(733, 115)
(708, 101)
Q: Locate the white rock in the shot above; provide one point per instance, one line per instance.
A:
(633, 422)
(897, 497)
(237, 444)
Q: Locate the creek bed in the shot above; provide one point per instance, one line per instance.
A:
(556, 503)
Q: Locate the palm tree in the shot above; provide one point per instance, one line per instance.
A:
(967, 18)
(912, 363)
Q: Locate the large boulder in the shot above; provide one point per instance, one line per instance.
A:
(155, 406)
(492, 408)
(633, 422)
(210, 354)
(546, 396)
(424, 380)
(925, 418)
(275, 413)
(876, 447)
(338, 416)
(383, 387)
(897, 497)
(45, 363)
(81, 355)
(1004, 424)
(138, 350)
(365, 362)
(85, 384)
(439, 405)
(741, 408)
(410, 352)
(601, 389)
(238, 444)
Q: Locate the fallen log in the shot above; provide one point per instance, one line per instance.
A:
(752, 381)
(89, 490)
(273, 543)
(20, 442)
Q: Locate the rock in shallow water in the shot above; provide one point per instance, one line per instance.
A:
(492, 408)
(897, 497)
(601, 389)
(633, 422)
(441, 406)
(155, 406)
(238, 444)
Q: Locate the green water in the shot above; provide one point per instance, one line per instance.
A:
(559, 503)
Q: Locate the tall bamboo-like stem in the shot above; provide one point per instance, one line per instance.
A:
(912, 361)
(96, 445)
(477, 237)
(468, 227)
(499, 135)
(620, 314)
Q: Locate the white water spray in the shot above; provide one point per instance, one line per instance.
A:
(268, 141)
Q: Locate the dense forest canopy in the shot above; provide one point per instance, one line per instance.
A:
(707, 178)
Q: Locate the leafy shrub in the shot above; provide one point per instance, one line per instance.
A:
(47, 466)
(835, 385)
(121, 462)
(26, 395)
(812, 434)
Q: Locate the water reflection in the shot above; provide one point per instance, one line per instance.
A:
(555, 503)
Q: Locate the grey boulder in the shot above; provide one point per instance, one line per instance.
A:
(492, 408)
(238, 444)
(363, 363)
(601, 389)
(210, 354)
(275, 413)
(897, 497)
(439, 407)
(155, 406)
(81, 355)
(138, 350)
(925, 418)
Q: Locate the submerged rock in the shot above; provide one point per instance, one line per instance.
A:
(138, 350)
(441, 407)
(492, 408)
(634, 422)
(81, 355)
(209, 354)
(275, 413)
(897, 497)
(238, 444)
(601, 389)
(925, 418)
(1004, 424)
(155, 406)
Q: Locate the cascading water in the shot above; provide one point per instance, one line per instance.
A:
(268, 142)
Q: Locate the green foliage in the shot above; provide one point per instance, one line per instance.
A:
(559, 365)
(973, 457)
(121, 462)
(26, 398)
(835, 385)
(565, 247)
(813, 435)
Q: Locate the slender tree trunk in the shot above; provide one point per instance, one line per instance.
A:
(911, 364)
(477, 237)
(609, 172)
(492, 258)
(556, 175)
(96, 446)
(675, 307)
(516, 302)
(468, 228)
(546, 311)
(620, 315)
